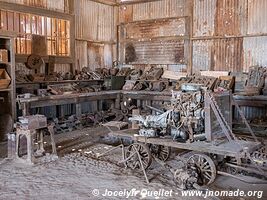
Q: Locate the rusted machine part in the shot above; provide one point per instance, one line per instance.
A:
(186, 177)
(105, 72)
(208, 82)
(154, 73)
(34, 62)
(126, 111)
(157, 86)
(66, 125)
(114, 71)
(100, 117)
(125, 71)
(205, 167)
(141, 86)
(255, 81)
(129, 85)
(133, 161)
(259, 157)
(87, 74)
(161, 152)
(135, 74)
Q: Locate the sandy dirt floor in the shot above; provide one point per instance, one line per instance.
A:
(77, 174)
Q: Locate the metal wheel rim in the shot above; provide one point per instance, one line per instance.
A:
(206, 167)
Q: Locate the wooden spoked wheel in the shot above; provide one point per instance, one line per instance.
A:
(132, 158)
(161, 152)
(205, 166)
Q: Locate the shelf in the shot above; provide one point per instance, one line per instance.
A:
(9, 105)
(6, 90)
(57, 82)
(5, 63)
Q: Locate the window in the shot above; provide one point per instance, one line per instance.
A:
(56, 31)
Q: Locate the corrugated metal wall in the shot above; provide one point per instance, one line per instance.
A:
(156, 31)
(159, 9)
(95, 34)
(226, 35)
(56, 5)
(240, 25)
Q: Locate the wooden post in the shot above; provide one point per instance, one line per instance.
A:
(135, 124)
(207, 110)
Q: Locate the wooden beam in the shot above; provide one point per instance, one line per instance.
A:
(95, 41)
(136, 1)
(59, 59)
(106, 2)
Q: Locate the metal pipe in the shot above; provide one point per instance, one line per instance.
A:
(155, 109)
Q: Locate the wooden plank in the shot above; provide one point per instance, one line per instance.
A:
(73, 100)
(215, 74)
(232, 148)
(173, 75)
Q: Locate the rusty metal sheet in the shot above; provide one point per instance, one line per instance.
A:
(255, 49)
(204, 17)
(202, 52)
(58, 5)
(230, 17)
(157, 28)
(159, 9)
(157, 52)
(81, 59)
(218, 54)
(94, 21)
(99, 55)
(126, 13)
(227, 55)
(250, 112)
(257, 16)
(219, 17)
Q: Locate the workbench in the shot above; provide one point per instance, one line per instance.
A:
(26, 104)
(142, 98)
(32, 86)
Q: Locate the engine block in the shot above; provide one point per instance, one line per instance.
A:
(183, 120)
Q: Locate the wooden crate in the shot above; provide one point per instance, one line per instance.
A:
(4, 79)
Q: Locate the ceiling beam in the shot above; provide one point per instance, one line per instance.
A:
(107, 2)
(135, 1)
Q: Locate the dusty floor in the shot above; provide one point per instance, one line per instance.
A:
(76, 174)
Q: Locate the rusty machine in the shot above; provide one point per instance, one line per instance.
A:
(197, 120)
(183, 120)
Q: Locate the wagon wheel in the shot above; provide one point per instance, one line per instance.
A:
(161, 152)
(132, 158)
(205, 165)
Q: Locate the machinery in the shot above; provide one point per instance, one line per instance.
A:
(199, 121)
(183, 120)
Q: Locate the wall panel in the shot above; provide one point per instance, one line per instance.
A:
(94, 21)
(95, 34)
(257, 16)
(255, 51)
(154, 10)
(56, 5)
